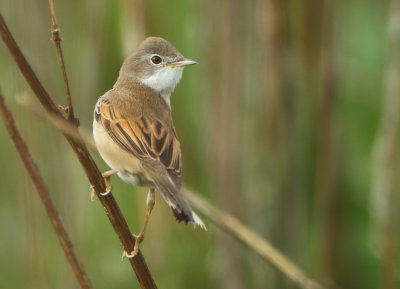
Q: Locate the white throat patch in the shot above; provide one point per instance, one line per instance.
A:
(164, 81)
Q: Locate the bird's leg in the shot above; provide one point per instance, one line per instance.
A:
(106, 175)
(151, 200)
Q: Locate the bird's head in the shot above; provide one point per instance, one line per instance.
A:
(155, 63)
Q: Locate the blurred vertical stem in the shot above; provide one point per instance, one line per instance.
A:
(133, 14)
(275, 127)
(44, 195)
(320, 84)
(57, 41)
(326, 159)
(225, 129)
(387, 159)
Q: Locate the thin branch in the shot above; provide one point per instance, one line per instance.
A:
(57, 40)
(252, 240)
(113, 211)
(44, 195)
(59, 123)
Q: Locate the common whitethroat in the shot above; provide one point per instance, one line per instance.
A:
(134, 132)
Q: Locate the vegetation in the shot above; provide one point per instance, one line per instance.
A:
(289, 122)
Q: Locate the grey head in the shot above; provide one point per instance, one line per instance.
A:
(155, 63)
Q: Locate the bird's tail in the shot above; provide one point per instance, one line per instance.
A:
(178, 204)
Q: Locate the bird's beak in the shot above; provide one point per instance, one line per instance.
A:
(183, 62)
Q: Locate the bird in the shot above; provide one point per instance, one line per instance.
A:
(134, 131)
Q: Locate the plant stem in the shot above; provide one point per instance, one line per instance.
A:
(44, 195)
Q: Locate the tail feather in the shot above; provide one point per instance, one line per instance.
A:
(179, 206)
(190, 218)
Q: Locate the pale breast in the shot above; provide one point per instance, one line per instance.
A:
(128, 166)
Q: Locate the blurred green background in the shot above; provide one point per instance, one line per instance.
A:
(282, 124)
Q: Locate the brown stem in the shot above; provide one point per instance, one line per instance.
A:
(387, 159)
(326, 180)
(57, 40)
(44, 195)
(113, 212)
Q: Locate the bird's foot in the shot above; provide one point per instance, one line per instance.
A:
(139, 239)
(107, 175)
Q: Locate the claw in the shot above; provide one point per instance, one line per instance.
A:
(63, 108)
(92, 193)
(139, 239)
(105, 193)
(124, 254)
(107, 175)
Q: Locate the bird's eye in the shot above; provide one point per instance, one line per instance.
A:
(156, 59)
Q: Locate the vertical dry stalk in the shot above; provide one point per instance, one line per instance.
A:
(272, 30)
(44, 195)
(387, 160)
(276, 127)
(133, 14)
(95, 178)
(275, 118)
(327, 191)
(226, 105)
(57, 40)
(320, 83)
(311, 36)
